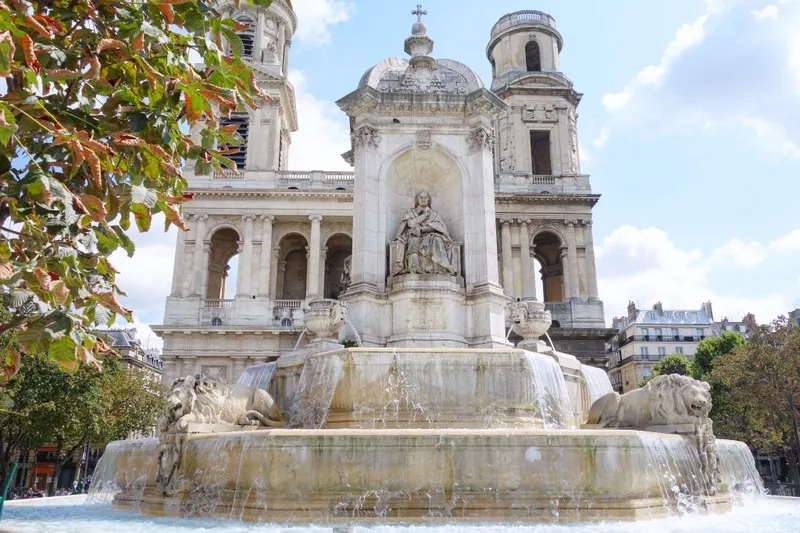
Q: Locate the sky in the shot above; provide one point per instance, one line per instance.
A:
(689, 127)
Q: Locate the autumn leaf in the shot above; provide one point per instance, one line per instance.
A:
(30, 57)
(126, 139)
(87, 357)
(138, 42)
(34, 24)
(11, 364)
(96, 207)
(60, 291)
(109, 300)
(174, 216)
(94, 166)
(94, 68)
(168, 12)
(44, 279)
(110, 45)
(7, 50)
(6, 270)
(177, 199)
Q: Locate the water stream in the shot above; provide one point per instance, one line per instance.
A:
(257, 376)
(550, 391)
(597, 382)
(314, 393)
(353, 329)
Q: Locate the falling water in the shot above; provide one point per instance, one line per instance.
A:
(550, 391)
(314, 392)
(738, 468)
(257, 376)
(120, 469)
(353, 329)
(299, 339)
(597, 382)
(676, 466)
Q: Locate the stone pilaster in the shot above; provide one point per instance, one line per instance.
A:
(312, 281)
(177, 267)
(528, 279)
(246, 259)
(265, 269)
(591, 267)
(198, 270)
(572, 260)
(565, 275)
(206, 253)
(508, 268)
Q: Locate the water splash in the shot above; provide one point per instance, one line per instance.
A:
(597, 383)
(257, 376)
(353, 329)
(315, 390)
(550, 391)
(121, 469)
(299, 339)
(738, 468)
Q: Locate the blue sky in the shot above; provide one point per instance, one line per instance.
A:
(689, 126)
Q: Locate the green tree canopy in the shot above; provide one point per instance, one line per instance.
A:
(670, 364)
(710, 348)
(94, 127)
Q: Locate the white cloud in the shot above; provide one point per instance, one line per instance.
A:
(738, 253)
(644, 265)
(787, 243)
(323, 133)
(729, 69)
(315, 17)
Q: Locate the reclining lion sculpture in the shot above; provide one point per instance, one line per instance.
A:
(204, 400)
(674, 401)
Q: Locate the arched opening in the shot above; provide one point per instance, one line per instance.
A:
(222, 265)
(293, 265)
(533, 58)
(537, 278)
(339, 248)
(247, 35)
(548, 257)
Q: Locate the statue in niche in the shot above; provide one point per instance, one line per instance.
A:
(422, 244)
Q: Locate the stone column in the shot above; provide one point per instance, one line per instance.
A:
(591, 267)
(169, 371)
(266, 256)
(312, 282)
(323, 258)
(197, 263)
(273, 282)
(239, 364)
(508, 268)
(177, 267)
(206, 247)
(565, 276)
(574, 281)
(246, 259)
(528, 279)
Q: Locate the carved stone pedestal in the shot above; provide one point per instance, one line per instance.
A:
(428, 311)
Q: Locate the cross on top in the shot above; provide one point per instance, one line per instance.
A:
(419, 12)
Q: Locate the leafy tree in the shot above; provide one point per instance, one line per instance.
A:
(762, 377)
(94, 127)
(671, 364)
(69, 411)
(709, 349)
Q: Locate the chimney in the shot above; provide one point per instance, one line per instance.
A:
(707, 308)
(631, 311)
(658, 307)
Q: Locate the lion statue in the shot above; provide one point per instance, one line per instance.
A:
(204, 400)
(671, 399)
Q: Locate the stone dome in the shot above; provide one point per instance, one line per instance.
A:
(390, 76)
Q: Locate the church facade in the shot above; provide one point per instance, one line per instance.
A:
(462, 197)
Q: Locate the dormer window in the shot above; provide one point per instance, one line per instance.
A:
(533, 58)
(247, 35)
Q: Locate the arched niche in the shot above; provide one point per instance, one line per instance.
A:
(224, 246)
(293, 267)
(433, 170)
(548, 254)
(339, 247)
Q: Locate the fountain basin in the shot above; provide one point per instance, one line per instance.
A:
(431, 388)
(419, 475)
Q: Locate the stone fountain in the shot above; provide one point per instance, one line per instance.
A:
(422, 434)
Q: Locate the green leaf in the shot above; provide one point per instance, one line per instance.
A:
(234, 40)
(142, 215)
(8, 126)
(64, 353)
(124, 240)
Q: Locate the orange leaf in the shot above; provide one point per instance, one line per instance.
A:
(6, 270)
(43, 278)
(77, 152)
(126, 139)
(230, 129)
(30, 57)
(94, 165)
(176, 199)
(174, 216)
(61, 74)
(11, 364)
(109, 300)
(191, 114)
(168, 12)
(60, 291)
(97, 210)
(94, 68)
(138, 42)
(50, 23)
(87, 357)
(101, 346)
(109, 45)
(34, 24)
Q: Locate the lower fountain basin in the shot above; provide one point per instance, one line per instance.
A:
(422, 475)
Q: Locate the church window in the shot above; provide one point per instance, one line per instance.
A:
(540, 153)
(243, 120)
(247, 35)
(533, 59)
(216, 321)
(286, 322)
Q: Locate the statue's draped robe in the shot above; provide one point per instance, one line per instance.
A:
(428, 246)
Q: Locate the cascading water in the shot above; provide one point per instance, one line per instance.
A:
(738, 468)
(120, 469)
(314, 393)
(353, 329)
(257, 376)
(597, 382)
(550, 391)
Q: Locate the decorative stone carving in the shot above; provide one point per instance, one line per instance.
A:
(366, 137)
(423, 244)
(480, 139)
(346, 278)
(207, 401)
(529, 320)
(424, 139)
(666, 404)
(324, 318)
(574, 165)
(541, 113)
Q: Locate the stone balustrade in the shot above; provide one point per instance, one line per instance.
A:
(313, 180)
(285, 315)
(523, 18)
(527, 183)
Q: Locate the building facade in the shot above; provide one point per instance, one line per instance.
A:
(500, 166)
(646, 337)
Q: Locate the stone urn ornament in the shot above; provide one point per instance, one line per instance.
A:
(530, 320)
(324, 318)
